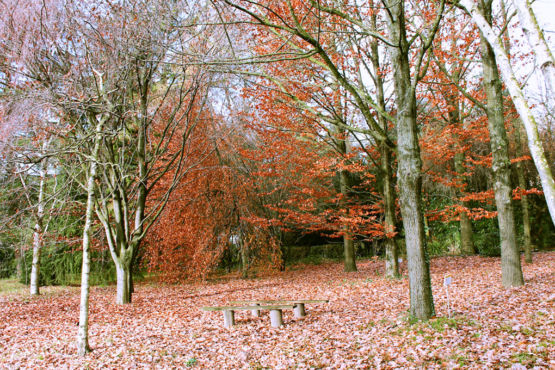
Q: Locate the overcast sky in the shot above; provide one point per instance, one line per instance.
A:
(545, 12)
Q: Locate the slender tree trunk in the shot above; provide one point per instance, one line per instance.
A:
(83, 332)
(388, 191)
(501, 165)
(519, 169)
(521, 104)
(467, 242)
(350, 255)
(38, 232)
(348, 244)
(391, 253)
(244, 260)
(35, 266)
(19, 263)
(524, 198)
(409, 168)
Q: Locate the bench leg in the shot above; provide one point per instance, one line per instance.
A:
(256, 313)
(299, 310)
(229, 318)
(276, 318)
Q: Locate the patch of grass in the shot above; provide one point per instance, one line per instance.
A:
(526, 331)
(442, 323)
(461, 360)
(11, 286)
(348, 282)
(525, 358)
(439, 324)
(191, 362)
(547, 343)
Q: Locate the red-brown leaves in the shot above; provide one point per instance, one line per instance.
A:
(363, 326)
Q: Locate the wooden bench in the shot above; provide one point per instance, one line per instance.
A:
(298, 305)
(276, 317)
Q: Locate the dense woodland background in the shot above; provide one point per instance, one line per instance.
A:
(175, 140)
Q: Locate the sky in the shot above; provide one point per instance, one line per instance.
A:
(545, 12)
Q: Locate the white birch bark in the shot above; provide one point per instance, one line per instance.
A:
(534, 35)
(528, 119)
(83, 332)
(38, 231)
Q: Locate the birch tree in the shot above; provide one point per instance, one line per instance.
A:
(536, 41)
(520, 101)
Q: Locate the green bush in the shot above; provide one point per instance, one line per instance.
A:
(444, 238)
(486, 237)
(7, 261)
(60, 265)
(333, 251)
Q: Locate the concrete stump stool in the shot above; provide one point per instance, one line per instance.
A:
(299, 310)
(229, 318)
(256, 313)
(276, 318)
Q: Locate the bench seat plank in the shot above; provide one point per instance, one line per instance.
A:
(277, 301)
(276, 318)
(251, 307)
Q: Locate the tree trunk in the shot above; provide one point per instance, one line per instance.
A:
(38, 231)
(524, 198)
(19, 261)
(521, 104)
(348, 244)
(35, 266)
(244, 260)
(409, 168)
(124, 282)
(467, 242)
(123, 278)
(388, 191)
(83, 332)
(501, 165)
(349, 251)
(391, 253)
(518, 149)
(349, 255)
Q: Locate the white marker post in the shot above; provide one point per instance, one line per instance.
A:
(446, 282)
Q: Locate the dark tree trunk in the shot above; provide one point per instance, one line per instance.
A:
(501, 166)
(409, 168)
(348, 244)
(391, 253)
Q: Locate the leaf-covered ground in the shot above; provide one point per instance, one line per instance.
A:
(364, 325)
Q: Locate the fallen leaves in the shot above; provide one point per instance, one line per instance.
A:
(364, 325)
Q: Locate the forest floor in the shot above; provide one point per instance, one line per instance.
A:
(364, 325)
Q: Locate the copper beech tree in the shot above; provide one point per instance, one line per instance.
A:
(300, 27)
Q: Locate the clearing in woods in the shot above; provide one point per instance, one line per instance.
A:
(364, 325)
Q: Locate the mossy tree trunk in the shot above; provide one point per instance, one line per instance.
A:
(409, 165)
(501, 165)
